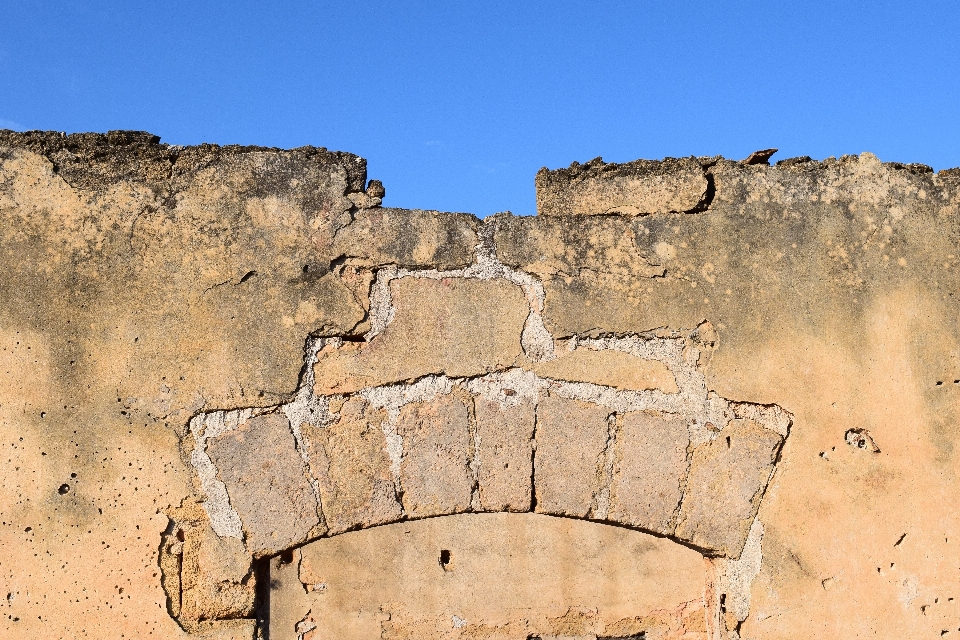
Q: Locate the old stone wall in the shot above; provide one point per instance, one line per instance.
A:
(692, 398)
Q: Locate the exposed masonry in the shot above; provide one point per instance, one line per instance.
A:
(705, 414)
(537, 343)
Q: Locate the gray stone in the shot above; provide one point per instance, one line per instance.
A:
(506, 447)
(727, 479)
(568, 467)
(350, 461)
(435, 473)
(648, 474)
(267, 483)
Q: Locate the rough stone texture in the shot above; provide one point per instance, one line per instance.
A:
(205, 576)
(267, 482)
(571, 440)
(505, 451)
(727, 477)
(409, 238)
(609, 368)
(536, 575)
(123, 262)
(574, 245)
(439, 326)
(638, 187)
(435, 471)
(650, 471)
(349, 458)
(147, 285)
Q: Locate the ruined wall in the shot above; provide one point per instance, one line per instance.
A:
(240, 398)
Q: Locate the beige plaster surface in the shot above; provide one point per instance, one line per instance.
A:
(157, 299)
(508, 576)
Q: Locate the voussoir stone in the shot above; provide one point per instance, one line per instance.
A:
(350, 461)
(571, 439)
(727, 479)
(453, 326)
(633, 188)
(651, 463)
(435, 473)
(267, 482)
(506, 444)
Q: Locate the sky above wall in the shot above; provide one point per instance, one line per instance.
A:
(457, 105)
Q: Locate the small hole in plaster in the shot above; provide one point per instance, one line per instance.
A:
(180, 535)
(445, 559)
(64, 489)
(73, 475)
(286, 557)
(247, 276)
(939, 383)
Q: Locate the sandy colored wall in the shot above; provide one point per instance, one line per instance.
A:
(219, 366)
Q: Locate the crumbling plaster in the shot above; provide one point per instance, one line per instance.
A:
(157, 301)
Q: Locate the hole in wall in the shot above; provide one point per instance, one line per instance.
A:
(64, 489)
(446, 560)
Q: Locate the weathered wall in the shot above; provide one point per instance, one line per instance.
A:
(219, 363)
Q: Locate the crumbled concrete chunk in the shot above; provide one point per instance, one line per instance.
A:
(435, 470)
(727, 479)
(267, 482)
(440, 326)
(571, 439)
(410, 238)
(350, 461)
(634, 188)
(506, 444)
(609, 368)
(651, 464)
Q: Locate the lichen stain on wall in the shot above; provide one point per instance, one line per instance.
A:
(150, 289)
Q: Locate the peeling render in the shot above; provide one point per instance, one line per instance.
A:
(568, 364)
(681, 351)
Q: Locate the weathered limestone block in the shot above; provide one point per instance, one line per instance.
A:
(609, 368)
(634, 188)
(568, 467)
(568, 245)
(435, 473)
(204, 576)
(439, 326)
(727, 479)
(267, 482)
(505, 452)
(649, 471)
(410, 238)
(350, 461)
(216, 578)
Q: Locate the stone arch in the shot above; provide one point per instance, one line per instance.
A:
(460, 400)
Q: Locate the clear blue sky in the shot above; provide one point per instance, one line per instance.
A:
(456, 105)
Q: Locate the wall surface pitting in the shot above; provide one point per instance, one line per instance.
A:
(241, 399)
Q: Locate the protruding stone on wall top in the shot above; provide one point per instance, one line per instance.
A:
(634, 188)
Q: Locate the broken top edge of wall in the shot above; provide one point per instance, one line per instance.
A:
(118, 138)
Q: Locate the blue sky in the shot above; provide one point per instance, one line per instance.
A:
(457, 105)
